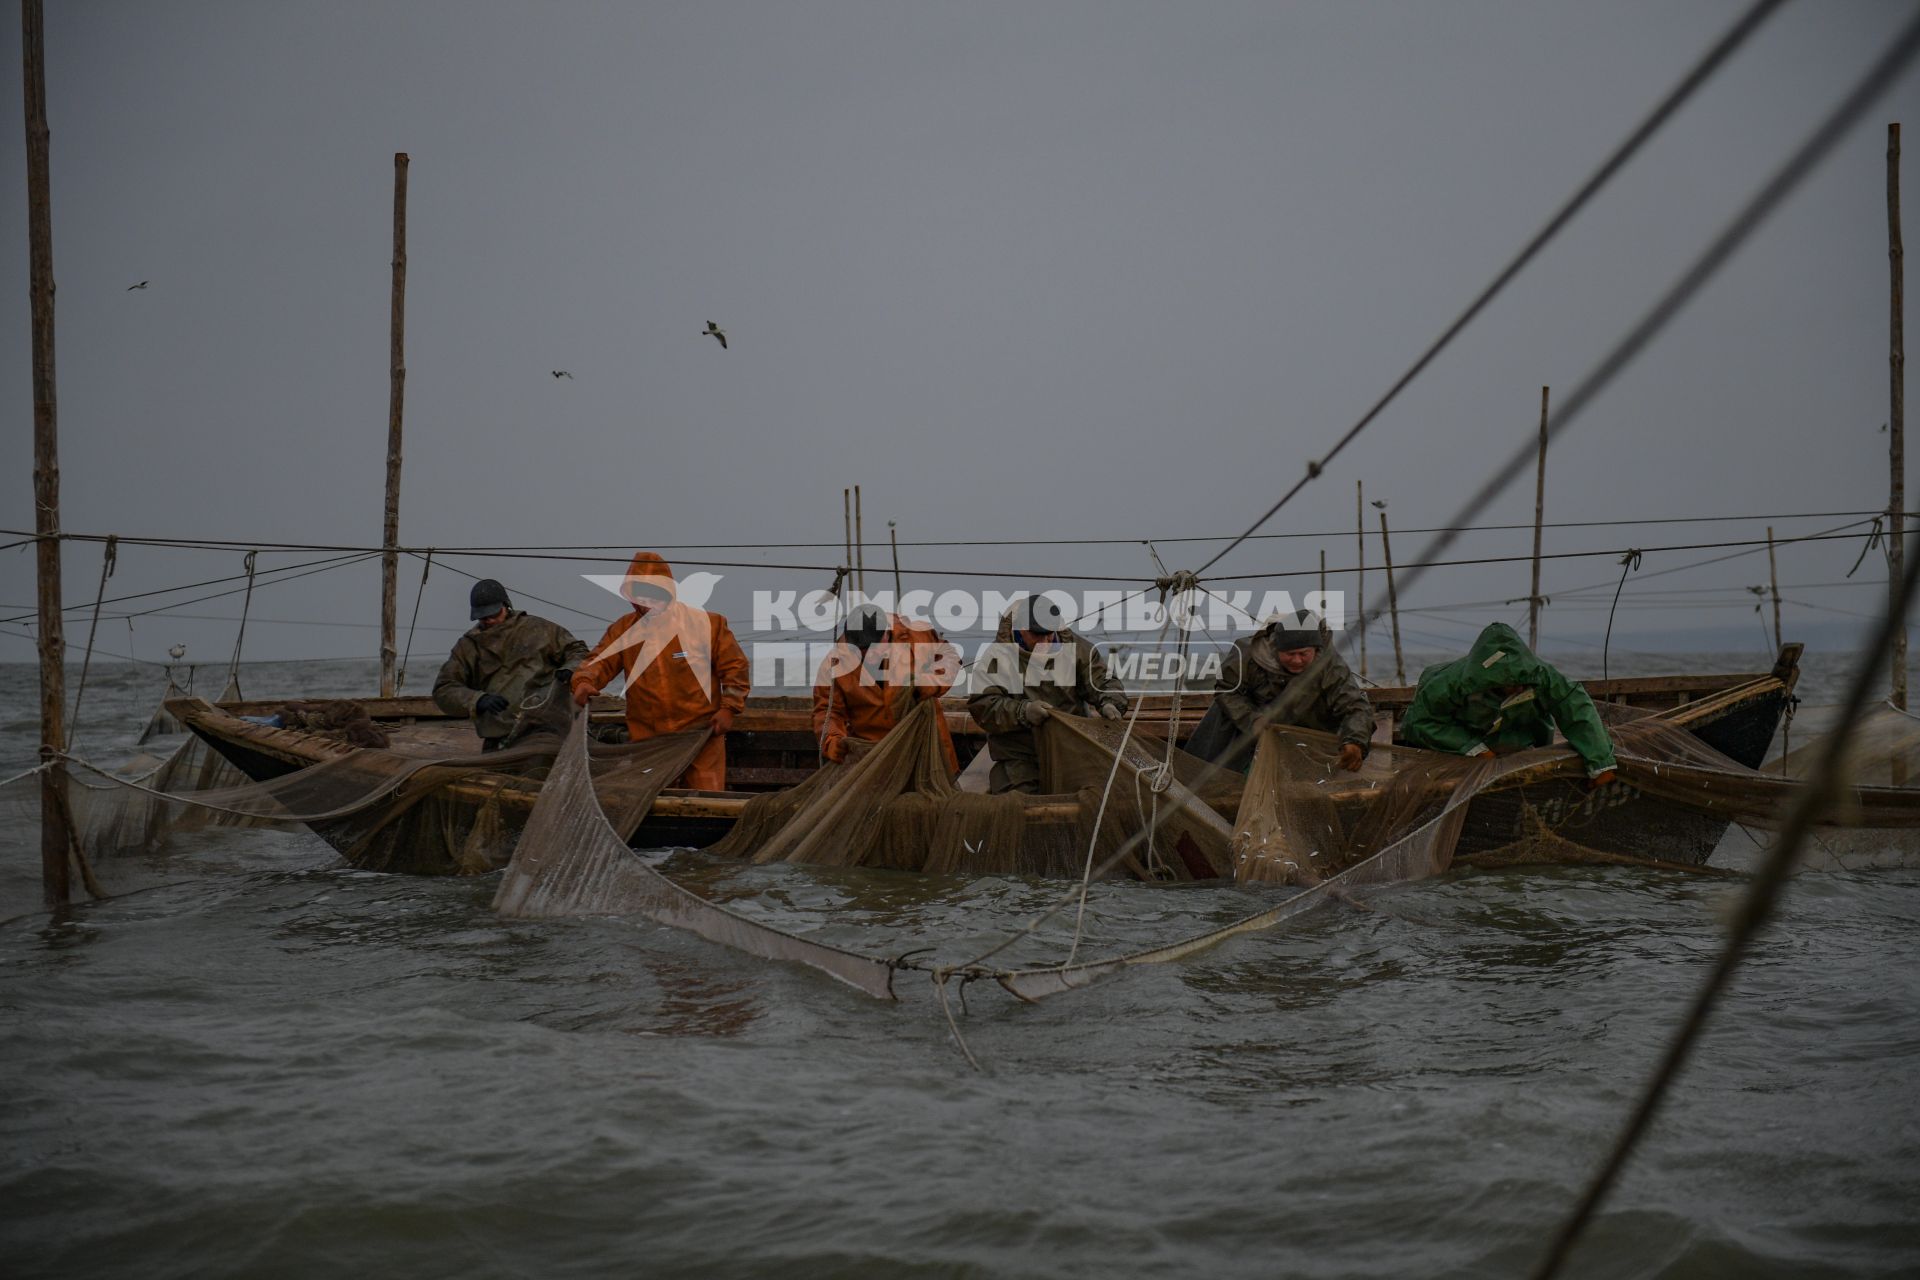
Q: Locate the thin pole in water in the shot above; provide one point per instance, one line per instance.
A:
(1896, 411)
(859, 543)
(1360, 575)
(1773, 580)
(893, 537)
(396, 397)
(56, 836)
(1393, 603)
(1539, 515)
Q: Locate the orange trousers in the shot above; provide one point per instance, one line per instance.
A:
(708, 772)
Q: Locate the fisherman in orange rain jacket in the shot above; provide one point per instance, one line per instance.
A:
(684, 669)
(882, 665)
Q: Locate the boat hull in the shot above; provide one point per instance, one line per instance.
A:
(772, 747)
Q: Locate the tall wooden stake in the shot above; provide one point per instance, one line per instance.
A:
(1773, 580)
(859, 543)
(1360, 531)
(1393, 603)
(55, 830)
(893, 537)
(396, 397)
(1323, 573)
(1539, 514)
(1896, 410)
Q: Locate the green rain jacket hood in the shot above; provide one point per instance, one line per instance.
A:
(1461, 706)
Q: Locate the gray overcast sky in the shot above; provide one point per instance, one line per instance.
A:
(1022, 270)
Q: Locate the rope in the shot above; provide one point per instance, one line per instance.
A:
(86, 664)
(426, 567)
(1873, 540)
(1751, 215)
(214, 544)
(1662, 112)
(311, 566)
(42, 767)
(1628, 563)
(1769, 881)
(240, 636)
(1868, 89)
(940, 985)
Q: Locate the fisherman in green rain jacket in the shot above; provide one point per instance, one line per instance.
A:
(1501, 698)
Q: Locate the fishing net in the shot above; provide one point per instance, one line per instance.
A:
(429, 811)
(896, 807)
(572, 860)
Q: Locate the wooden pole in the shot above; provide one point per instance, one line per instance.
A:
(1360, 576)
(1896, 415)
(859, 543)
(1773, 580)
(1323, 573)
(56, 836)
(893, 537)
(1393, 603)
(396, 397)
(1539, 514)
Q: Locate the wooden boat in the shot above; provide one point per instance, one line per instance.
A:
(771, 747)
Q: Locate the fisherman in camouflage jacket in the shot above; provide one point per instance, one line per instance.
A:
(1284, 674)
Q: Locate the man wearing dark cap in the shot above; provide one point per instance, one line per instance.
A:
(1035, 666)
(1285, 673)
(507, 655)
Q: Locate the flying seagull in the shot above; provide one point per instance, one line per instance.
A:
(561, 373)
(717, 332)
(132, 287)
(1380, 503)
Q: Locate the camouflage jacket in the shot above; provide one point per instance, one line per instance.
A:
(1251, 681)
(1068, 676)
(512, 659)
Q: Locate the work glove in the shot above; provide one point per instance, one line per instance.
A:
(1035, 711)
(723, 720)
(1601, 779)
(1111, 711)
(490, 704)
(1350, 757)
(835, 749)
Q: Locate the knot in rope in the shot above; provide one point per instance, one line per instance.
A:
(1158, 778)
(1631, 560)
(1873, 540)
(1177, 584)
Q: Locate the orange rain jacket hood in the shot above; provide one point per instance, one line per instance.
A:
(682, 663)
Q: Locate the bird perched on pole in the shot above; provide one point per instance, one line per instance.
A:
(717, 333)
(143, 284)
(561, 373)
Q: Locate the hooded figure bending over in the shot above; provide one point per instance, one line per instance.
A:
(1034, 667)
(1284, 674)
(684, 669)
(1501, 698)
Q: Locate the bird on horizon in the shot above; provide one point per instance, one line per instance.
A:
(561, 373)
(132, 287)
(715, 331)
